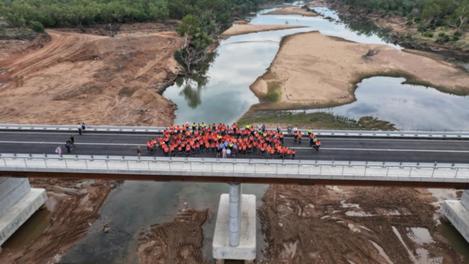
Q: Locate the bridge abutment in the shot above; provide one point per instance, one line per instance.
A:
(457, 212)
(235, 228)
(18, 202)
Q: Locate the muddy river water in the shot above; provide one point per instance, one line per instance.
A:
(224, 98)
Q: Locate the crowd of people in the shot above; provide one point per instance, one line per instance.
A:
(225, 141)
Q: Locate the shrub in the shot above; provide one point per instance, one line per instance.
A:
(36, 26)
(442, 38)
(428, 34)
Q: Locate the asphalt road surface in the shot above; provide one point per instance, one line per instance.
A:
(333, 148)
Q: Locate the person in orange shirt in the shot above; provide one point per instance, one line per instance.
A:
(317, 145)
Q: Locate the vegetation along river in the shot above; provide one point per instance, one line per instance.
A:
(224, 96)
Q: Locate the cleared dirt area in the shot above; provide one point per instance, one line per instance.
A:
(292, 10)
(313, 70)
(240, 29)
(96, 79)
(71, 208)
(67, 77)
(319, 224)
(179, 241)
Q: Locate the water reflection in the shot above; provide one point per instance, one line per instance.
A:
(191, 89)
(136, 205)
(409, 107)
(223, 95)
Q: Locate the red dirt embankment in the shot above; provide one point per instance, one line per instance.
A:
(68, 77)
(97, 79)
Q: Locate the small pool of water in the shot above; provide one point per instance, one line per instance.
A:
(409, 107)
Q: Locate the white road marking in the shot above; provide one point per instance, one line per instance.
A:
(289, 138)
(390, 150)
(62, 143)
(298, 148)
(91, 133)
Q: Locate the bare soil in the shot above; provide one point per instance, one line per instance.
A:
(313, 70)
(96, 79)
(240, 29)
(65, 77)
(72, 206)
(179, 241)
(319, 224)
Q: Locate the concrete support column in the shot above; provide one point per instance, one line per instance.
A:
(457, 212)
(235, 213)
(18, 201)
(235, 228)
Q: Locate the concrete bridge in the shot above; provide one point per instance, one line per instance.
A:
(406, 158)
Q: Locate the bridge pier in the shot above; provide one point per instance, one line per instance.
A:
(235, 228)
(457, 212)
(18, 201)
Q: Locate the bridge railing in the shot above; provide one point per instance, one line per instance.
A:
(255, 168)
(324, 133)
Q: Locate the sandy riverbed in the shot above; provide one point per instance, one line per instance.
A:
(292, 10)
(240, 29)
(313, 70)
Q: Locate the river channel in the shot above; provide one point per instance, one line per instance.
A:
(224, 98)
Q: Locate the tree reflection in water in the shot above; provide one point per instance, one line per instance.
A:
(191, 89)
(192, 83)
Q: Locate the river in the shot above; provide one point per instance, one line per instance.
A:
(225, 97)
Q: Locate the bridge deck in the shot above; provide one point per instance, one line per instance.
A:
(434, 160)
(333, 148)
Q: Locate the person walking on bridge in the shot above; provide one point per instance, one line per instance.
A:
(58, 150)
(68, 146)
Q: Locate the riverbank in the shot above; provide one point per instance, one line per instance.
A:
(313, 70)
(318, 120)
(72, 206)
(404, 32)
(241, 29)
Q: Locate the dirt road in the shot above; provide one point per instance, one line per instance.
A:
(96, 79)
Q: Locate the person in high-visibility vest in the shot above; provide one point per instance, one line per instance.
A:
(317, 145)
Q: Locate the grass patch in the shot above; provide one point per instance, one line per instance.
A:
(274, 91)
(318, 120)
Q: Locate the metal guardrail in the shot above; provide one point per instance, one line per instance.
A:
(92, 128)
(253, 168)
(323, 133)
